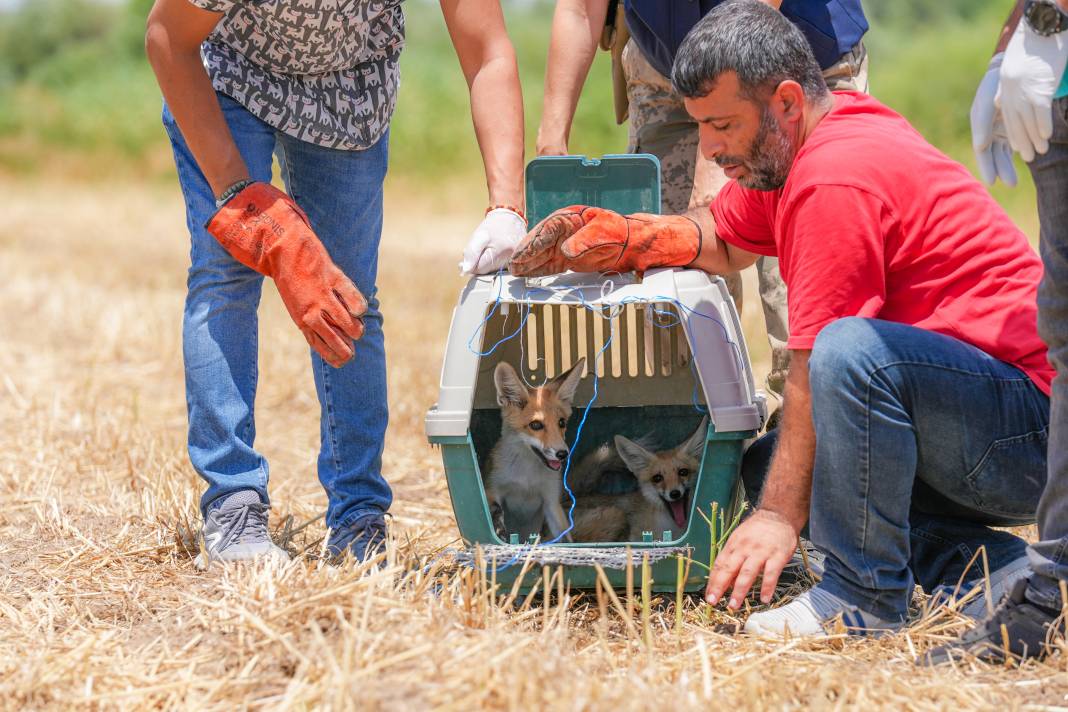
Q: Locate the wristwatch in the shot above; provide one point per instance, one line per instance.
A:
(1045, 17)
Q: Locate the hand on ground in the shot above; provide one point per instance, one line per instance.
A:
(762, 544)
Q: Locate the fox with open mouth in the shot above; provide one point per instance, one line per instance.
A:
(661, 501)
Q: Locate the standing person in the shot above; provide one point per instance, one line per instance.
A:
(645, 36)
(916, 405)
(313, 84)
(1022, 106)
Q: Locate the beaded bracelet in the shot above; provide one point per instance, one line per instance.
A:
(231, 192)
(502, 206)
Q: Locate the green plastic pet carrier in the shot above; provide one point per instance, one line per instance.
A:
(666, 349)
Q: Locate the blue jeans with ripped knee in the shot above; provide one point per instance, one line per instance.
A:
(923, 442)
(341, 191)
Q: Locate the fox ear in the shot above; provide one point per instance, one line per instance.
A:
(635, 457)
(510, 388)
(567, 382)
(695, 444)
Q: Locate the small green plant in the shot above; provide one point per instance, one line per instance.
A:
(719, 530)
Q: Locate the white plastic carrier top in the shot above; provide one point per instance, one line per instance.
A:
(651, 327)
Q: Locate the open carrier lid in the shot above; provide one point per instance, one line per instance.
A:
(660, 321)
(628, 183)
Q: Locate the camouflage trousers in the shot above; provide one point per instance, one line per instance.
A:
(660, 125)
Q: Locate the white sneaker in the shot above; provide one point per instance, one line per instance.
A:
(813, 613)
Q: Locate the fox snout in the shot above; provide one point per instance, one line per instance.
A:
(674, 494)
(552, 456)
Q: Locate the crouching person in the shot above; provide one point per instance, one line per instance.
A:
(916, 406)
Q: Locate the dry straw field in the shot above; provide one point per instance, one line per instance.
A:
(100, 606)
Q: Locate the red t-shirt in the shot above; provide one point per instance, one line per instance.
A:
(875, 222)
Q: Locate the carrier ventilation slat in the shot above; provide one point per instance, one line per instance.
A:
(647, 341)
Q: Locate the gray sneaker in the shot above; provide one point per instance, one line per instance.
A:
(1001, 583)
(236, 530)
(364, 538)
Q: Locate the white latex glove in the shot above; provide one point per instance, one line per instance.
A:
(1030, 73)
(989, 140)
(493, 242)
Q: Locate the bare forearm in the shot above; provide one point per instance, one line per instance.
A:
(187, 88)
(497, 112)
(788, 491)
(489, 66)
(715, 255)
(576, 28)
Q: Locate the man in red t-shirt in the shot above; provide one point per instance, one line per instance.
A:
(916, 406)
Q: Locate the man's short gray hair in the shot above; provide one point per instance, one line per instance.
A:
(755, 41)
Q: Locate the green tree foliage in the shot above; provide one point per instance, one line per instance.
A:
(74, 84)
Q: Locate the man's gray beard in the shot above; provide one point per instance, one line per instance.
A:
(772, 155)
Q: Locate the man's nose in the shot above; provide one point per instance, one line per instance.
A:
(674, 494)
(710, 145)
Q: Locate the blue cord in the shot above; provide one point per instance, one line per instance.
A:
(567, 463)
(675, 320)
(489, 315)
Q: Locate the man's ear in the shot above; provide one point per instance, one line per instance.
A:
(635, 457)
(788, 101)
(567, 382)
(510, 387)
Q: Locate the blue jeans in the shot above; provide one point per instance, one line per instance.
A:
(1049, 557)
(922, 443)
(341, 191)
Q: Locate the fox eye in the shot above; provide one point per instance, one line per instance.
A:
(684, 472)
(563, 423)
(658, 478)
(536, 425)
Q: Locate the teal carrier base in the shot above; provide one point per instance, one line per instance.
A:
(666, 349)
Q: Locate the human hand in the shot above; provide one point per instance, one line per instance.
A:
(586, 239)
(993, 154)
(1030, 73)
(551, 148)
(264, 229)
(551, 141)
(763, 543)
(539, 252)
(493, 242)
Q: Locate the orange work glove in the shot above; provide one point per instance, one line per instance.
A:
(585, 239)
(262, 228)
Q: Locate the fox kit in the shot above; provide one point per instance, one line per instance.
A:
(661, 502)
(524, 480)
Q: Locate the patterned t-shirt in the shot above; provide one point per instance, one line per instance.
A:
(324, 71)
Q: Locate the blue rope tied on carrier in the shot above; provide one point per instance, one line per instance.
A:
(673, 318)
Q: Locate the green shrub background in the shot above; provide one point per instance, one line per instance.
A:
(77, 96)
